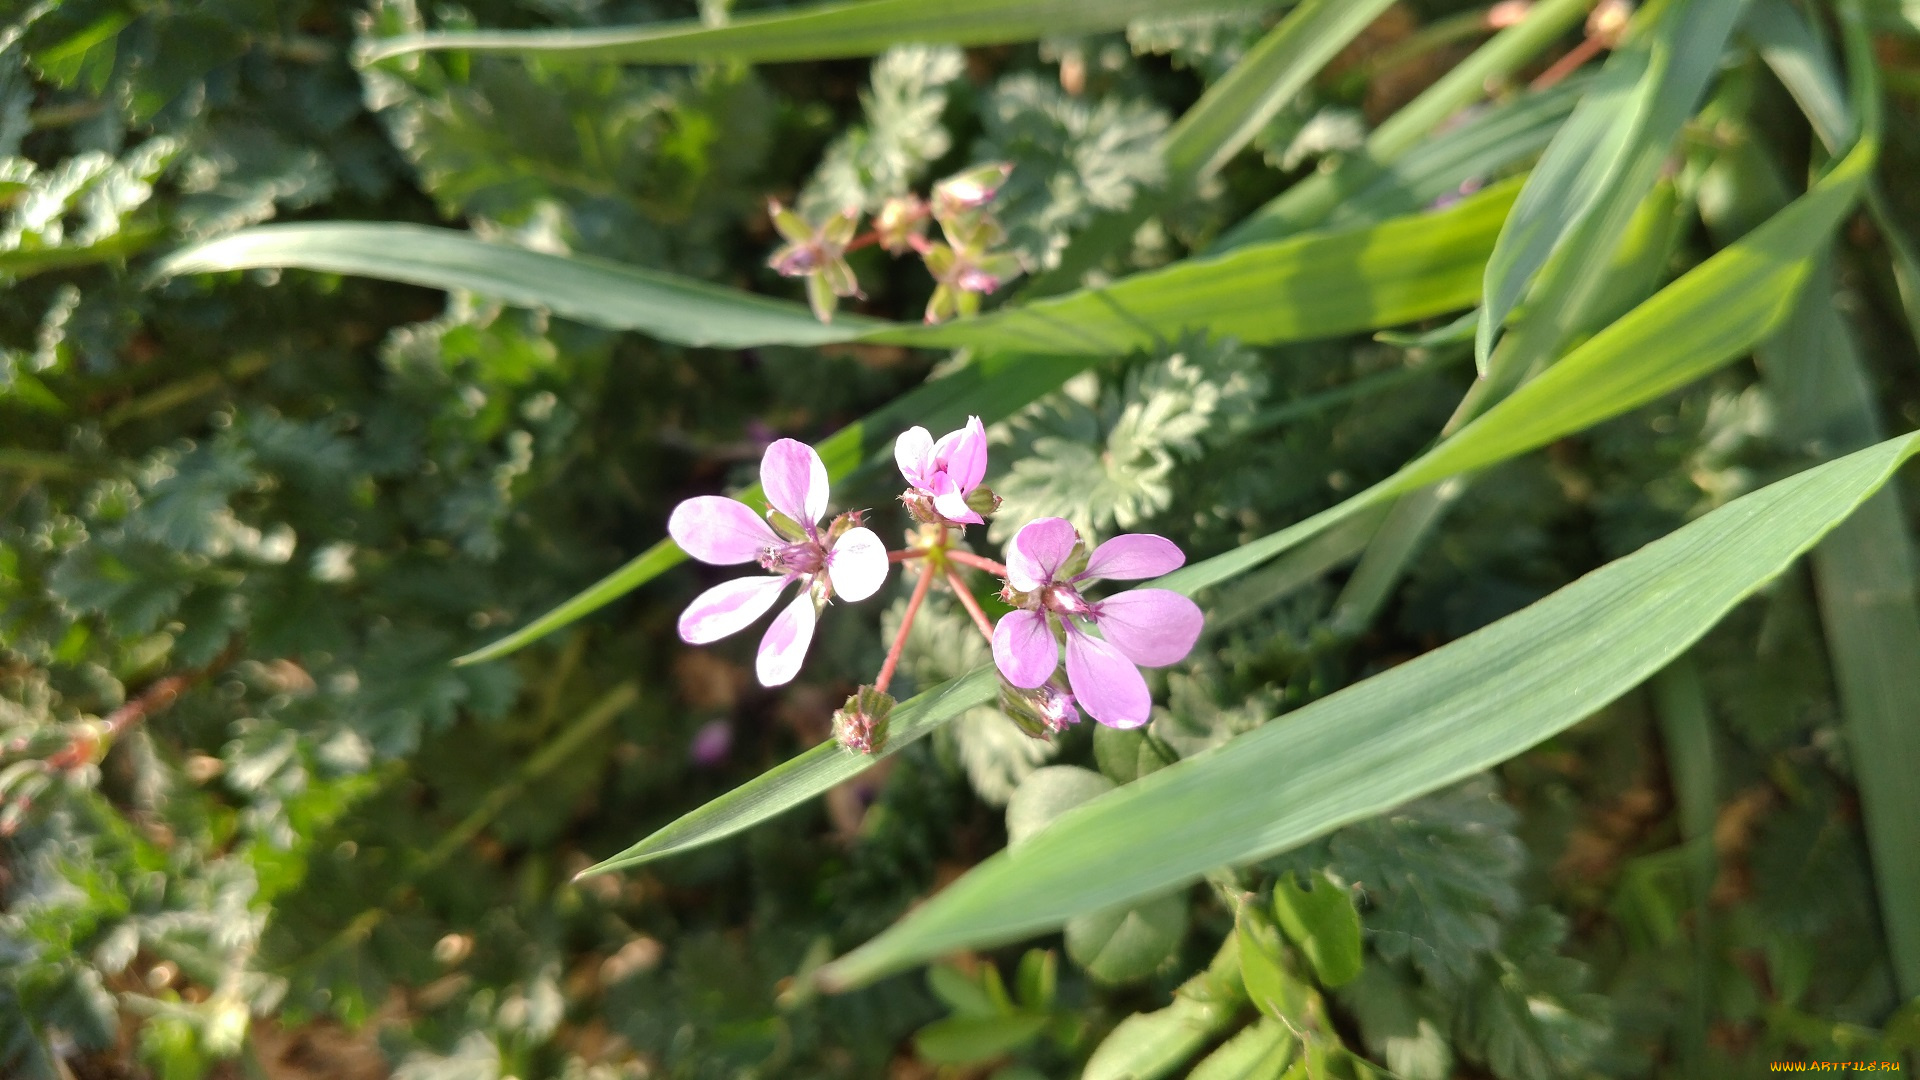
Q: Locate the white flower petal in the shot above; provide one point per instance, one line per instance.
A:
(857, 565)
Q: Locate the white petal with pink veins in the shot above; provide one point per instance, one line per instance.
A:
(785, 644)
(795, 480)
(728, 608)
(719, 530)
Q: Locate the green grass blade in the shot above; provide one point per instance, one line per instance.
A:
(992, 388)
(1319, 285)
(1220, 124)
(1417, 727)
(1233, 110)
(1713, 313)
(824, 32)
(1313, 199)
(1487, 145)
(1788, 45)
(1865, 572)
(1595, 174)
(592, 290)
(806, 776)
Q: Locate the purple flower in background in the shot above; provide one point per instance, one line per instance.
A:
(1140, 628)
(943, 475)
(845, 560)
(711, 743)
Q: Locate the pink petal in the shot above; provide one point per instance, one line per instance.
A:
(786, 641)
(1131, 556)
(1024, 649)
(951, 502)
(1151, 627)
(728, 607)
(795, 480)
(1106, 683)
(857, 565)
(719, 530)
(963, 454)
(913, 452)
(1036, 552)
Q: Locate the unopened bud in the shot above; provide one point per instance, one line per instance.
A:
(973, 188)
(1076, 561)
(788, 528)
(900, 220)
(1609, 21)
(983, 501)
(1041, 712)
(919, 505)
(861, 724)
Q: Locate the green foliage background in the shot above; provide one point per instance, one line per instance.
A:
(268, 509)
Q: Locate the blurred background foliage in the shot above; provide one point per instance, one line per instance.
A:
(253, 823)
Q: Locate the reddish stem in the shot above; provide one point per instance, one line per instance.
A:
(1568, 64)
(865, 239)
(967, 601)
(978, 562)
(903, 556)
(906, 624)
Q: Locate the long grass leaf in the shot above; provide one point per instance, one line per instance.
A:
(1314, 199)
(1427, 723)
(1338, 282)
(1595, 174)
(823, 32)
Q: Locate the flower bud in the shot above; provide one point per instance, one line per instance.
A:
(1041, 712)
(788, 528)
(970, 189)
(861, 724)
(983, 501)
(919, 506)
(899, 221)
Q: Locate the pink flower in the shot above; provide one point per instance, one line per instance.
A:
(1140, 628)
(844, 560)
(943, 474)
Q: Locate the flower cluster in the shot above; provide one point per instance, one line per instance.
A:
(1049, 565)
(964, 264)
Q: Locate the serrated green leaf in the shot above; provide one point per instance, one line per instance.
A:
(1147, 1046)
(1322, 921)
(1421, 725)
(823, 32)
(1261, 1051)
(1274, 990)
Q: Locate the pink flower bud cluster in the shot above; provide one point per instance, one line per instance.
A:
(963, 264)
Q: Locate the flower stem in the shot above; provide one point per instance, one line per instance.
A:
(903, 556)
(967, 601)
(978, 562)
(906, 624)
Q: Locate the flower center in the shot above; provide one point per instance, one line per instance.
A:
(1065, 600)
(801, 558)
